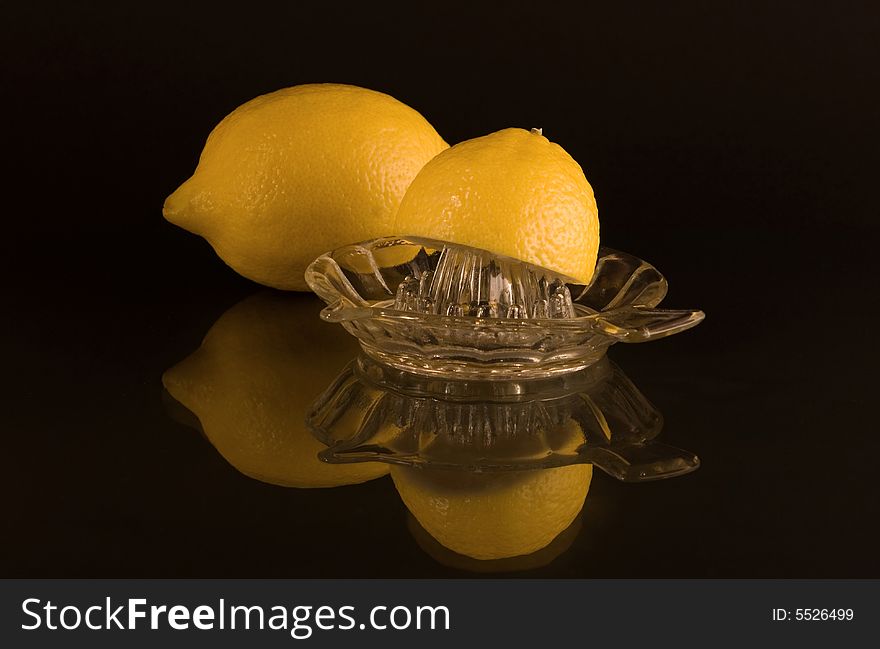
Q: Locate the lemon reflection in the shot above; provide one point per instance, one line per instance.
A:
(491, 516)
(538, 559)
(250, 383)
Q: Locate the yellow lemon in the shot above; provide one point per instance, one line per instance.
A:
(295, 173)
(494, 515)
(512, 192)
(252, 380)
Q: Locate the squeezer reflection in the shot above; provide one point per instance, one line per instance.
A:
(374, 413)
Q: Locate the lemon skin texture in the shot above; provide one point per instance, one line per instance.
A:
(512, 192)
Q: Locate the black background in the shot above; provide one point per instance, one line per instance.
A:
(734, 145)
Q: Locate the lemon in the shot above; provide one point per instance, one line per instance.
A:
(494, 515)
(512, 192)
(252, 380)
(295, 173)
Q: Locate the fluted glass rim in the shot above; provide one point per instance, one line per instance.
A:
(341, 309)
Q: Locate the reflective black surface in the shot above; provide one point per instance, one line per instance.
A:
(735, 151)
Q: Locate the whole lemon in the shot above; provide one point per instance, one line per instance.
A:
(512, 192)
(252, 380)
(297, 172)
(494, 515)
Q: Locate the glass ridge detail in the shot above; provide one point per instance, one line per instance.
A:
(468, 282)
